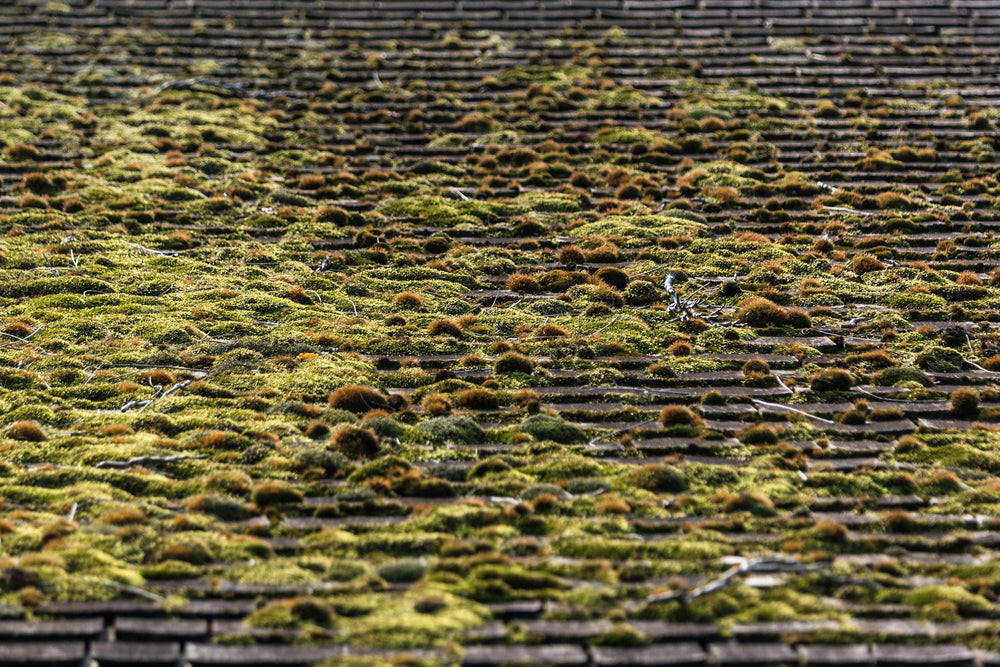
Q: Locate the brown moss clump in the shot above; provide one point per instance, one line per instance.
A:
(680, 348)
(334, 214)
(761, 313)
(572, 255)
(614, 277)
(673, 415)
(23, 151)
(830, 531)
(34, 201)
(756, 367)
(311, 181)
(863, 264)
(355, 443)
(358, 399)
(969, 278)
(758, 434)
(127, 516)
(659, 478)
(513, 362)
(40, 183)
(271, 493)
(523, 283)
(477, 399)
(614, 505)
(551, 331)
(231, 482)
(28, 431)
(445, 328)
(436, 405)
(17, 328)
(317, 430)
(965, 402)
(408, 301)
(755, 503)
(831, 379)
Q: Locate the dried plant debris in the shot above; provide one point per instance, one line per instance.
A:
(377, 330)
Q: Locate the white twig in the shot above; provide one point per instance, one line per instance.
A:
(161, 253)
(782, 406)
(612, 434)
(613, 320)
(758, 565)
(312, 291)
(148, 460)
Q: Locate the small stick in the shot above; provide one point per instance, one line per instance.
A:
(148, 460)
(317, 296)
(782, 406)
(54, 270)
(619, 432)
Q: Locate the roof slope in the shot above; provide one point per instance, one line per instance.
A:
(601, 332)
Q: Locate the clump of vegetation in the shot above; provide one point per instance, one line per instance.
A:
(761, 313)
(477, 399)
(758, 434)
(832, 379)
(964, 402)
(358, 399)
(659, 478)
(275, 493)
(445, 328)
(354, 442)
(458, 429)
(548, 427)
(889, 377)
(513, 362)
(938, 359)
(672, 415)
(28, 431)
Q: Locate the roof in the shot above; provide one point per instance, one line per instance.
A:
(603, 332)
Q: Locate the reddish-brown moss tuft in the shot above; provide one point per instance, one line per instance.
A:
(672, 415)
(28, 431)
(358, 399)
(355, 443)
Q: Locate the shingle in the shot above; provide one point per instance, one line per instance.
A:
(740, 654)
(557, 655)
(835, 655)
(42, 654)
(679, 654)
(896, 655)
(140, 654)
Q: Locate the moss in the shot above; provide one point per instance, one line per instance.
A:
(547, 427)
(294, 613)
(938, 359)
(889, 377)
(965, 402)
(659, 478)
(276, 493)
(358, 399)
(354, 443)
(512, 362)
(28, 431)
(965, 601)
(227, 509)
(405, 571)
(458, 429)
(832, 379)
(672, 415)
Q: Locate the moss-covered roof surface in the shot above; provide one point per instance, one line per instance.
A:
(598, 332)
